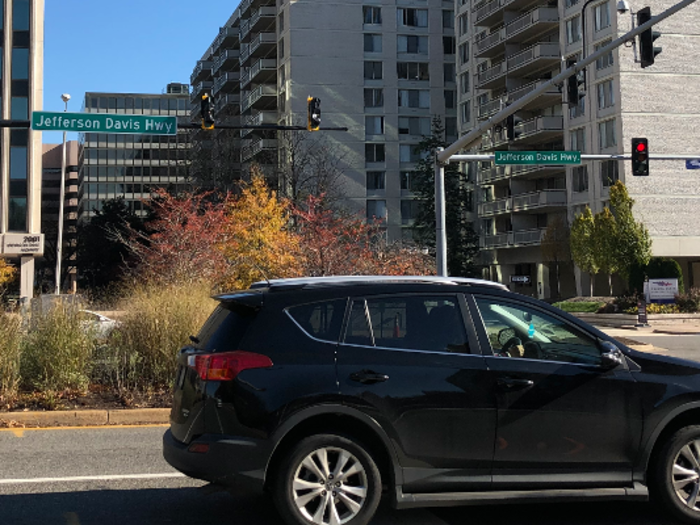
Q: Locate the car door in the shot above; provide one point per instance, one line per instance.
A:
(564, 418)
(406, 361)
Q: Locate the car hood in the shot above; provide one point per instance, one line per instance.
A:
(657, 364)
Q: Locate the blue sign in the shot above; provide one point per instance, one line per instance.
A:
(693, 164)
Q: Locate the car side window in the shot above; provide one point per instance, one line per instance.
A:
(518, 330)
(431, 323)
(321, 320)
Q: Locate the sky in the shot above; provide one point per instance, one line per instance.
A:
(130, 46)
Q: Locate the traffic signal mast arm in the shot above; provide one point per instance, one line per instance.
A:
(475, 134)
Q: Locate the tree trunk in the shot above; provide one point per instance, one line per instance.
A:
(592, 276)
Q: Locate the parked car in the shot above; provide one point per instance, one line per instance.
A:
(328, 392)
(98, 325)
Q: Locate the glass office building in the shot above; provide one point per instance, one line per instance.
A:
(132, 166)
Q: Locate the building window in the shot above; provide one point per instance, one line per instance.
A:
(602, 16)
(464, 83)
(371, 14)
(407, 178)
(450, 99)
(448, 19)
(605, 60)
(569, 3)
(606, 131)
(375, 180)
(20, 63)
(577, 138)
(376, 210)
(579, 179)
(373, 70)
(463, 53)
(449, 72)
(410, 17)
(448, 45)
(463, 24)
(573, 30)
(20, 15)
(414, 98)
(412, 44)
(412, 70)
(579, 109)
(374, 97)
(374, 153)
(409, 211)
(606, 96)
(414, 126)
(465, 114)
(373, 43)
(280, 49)
(451, 129)
(609, 172)
(409, 153)
(374, 125)
(280, 23)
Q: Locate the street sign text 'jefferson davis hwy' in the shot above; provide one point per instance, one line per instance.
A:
(103, 123)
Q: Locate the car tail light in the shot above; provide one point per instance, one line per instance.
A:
(199, 448)
(227, 365)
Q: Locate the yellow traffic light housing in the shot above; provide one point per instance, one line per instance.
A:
(314, 113)
(207, 112)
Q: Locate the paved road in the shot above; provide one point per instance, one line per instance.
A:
(116, 476)
(685, 346)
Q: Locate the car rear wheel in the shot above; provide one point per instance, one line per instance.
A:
(675, 475)
(327, 479)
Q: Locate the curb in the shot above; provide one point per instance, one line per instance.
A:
(83, 418)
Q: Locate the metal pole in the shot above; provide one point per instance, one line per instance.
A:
(61, 198)
(475, 134)
(584, 156)
(440, 234)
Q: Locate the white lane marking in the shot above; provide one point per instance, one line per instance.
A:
(112, 477)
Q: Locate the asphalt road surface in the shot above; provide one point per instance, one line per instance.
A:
(116, 476)
(684, 346)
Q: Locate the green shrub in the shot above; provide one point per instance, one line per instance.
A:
(579, 306)
(10, 337)
(57, 351)
(157, 321)
(689, 302)
(627, 302)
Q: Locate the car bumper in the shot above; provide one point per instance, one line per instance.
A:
(229, 460)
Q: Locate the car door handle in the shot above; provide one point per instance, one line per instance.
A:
(511, 384)
(368, 377)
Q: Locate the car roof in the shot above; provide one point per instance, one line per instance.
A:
(344, 280)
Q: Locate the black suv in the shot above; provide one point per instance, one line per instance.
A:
(328, 392)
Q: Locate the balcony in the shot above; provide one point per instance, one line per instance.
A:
(546, 99)
(492, 77)
(262, 97)
(496, 174)
(259, 119)
(200, 88)
(497, 207)
(490, 45)
(226, 38)
(226, 81)
(493, 174)
(499, 240)
(262, 71)
(260, 20)
(244, 6)
(539, 199)
(528, 237)
(227, 58)
(262, 44)
(542, 56)
(228, 101)
(539, 129)
(487, 13)
(532, 24)
(490, 108)
(201, 71)
(252, 148)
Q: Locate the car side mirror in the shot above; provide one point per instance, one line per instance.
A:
(611, 356)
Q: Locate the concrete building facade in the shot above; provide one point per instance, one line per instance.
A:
(506, 48)
(382, 68)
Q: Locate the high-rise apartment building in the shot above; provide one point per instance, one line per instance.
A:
(113, 165)
(507, 48)
(22, 40)
(381, 68)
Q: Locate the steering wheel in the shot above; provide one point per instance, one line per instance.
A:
(505, 335)
(533, 350)
(512, 342)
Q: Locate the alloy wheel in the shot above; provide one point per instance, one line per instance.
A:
(685, 474)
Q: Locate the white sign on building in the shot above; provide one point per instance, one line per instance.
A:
(662, 290)
(18, 244)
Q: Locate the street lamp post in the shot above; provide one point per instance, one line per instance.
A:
(62, 196)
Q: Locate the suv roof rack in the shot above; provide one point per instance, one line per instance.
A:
(339, 280)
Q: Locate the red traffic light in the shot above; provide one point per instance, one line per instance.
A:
(641, 147)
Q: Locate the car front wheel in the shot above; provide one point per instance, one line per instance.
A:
(327, 479)
(675, 475)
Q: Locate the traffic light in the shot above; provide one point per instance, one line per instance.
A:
(640, 157)
(207, 112)
(574, 85)
(647, 50)
(512, 122)
(314, 113)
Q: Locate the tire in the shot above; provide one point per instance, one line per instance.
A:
(327, 479)
(674, 477)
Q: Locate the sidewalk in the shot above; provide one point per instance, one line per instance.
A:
(84, 418)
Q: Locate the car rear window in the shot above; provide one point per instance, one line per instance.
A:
(321, 320)
(225, 328)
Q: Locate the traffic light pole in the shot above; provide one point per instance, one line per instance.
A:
(272, 127)
(584, 156)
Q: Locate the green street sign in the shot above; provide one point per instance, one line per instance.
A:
(537, 157)
(103, 123)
